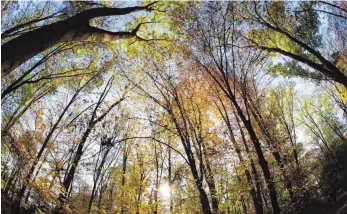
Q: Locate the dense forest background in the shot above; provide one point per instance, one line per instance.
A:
(174, 107)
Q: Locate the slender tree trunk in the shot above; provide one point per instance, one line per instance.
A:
(45, 144)
(110, 205)
(210, 181)
(124, 168)
(92, 196)
(92, 122)
(275, 151)
(101, 193)
(34, 178)
(170, 180)
(97, 176)
(256, 194)
(256, 199)
(205, 205)
(139, 195)
(67, 182)
(253, 136)
(261, 159)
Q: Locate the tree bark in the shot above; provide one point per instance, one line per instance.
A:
(75, 28)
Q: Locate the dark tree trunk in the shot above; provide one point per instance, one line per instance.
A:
(226, 88)
(210, 181)
(205, 205)
(76, 28)
(45, 143)
(261, 159)
(256, 193)
(26, 46)
(256, 199)
(124, 169)
(170, 179)
(92, 122)
(275, 150)
(97, 176)
(72, 171)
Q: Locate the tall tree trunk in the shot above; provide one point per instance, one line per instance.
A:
(45, 144)
(259, 203)
(261, 159)
(205, 205)
(34, 178)
(97, 176)
(92, 122)
(226, 88)
(157, 182)
(210, 181)
(67, 182)
(274, 149)
(124, 169)
(110, 205)
(170, 179)
(75, 28)
(255, 195)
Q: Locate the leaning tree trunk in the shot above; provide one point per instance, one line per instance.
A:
(75, 28)
(261, 158)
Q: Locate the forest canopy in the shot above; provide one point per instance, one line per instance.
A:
(174, 107)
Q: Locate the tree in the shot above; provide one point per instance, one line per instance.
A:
(92, 122)
(279, 24)
(221, 71)
(46, 142)
(75, 28)
(198, 118)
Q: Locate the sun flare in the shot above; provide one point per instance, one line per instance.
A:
(165, 190)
